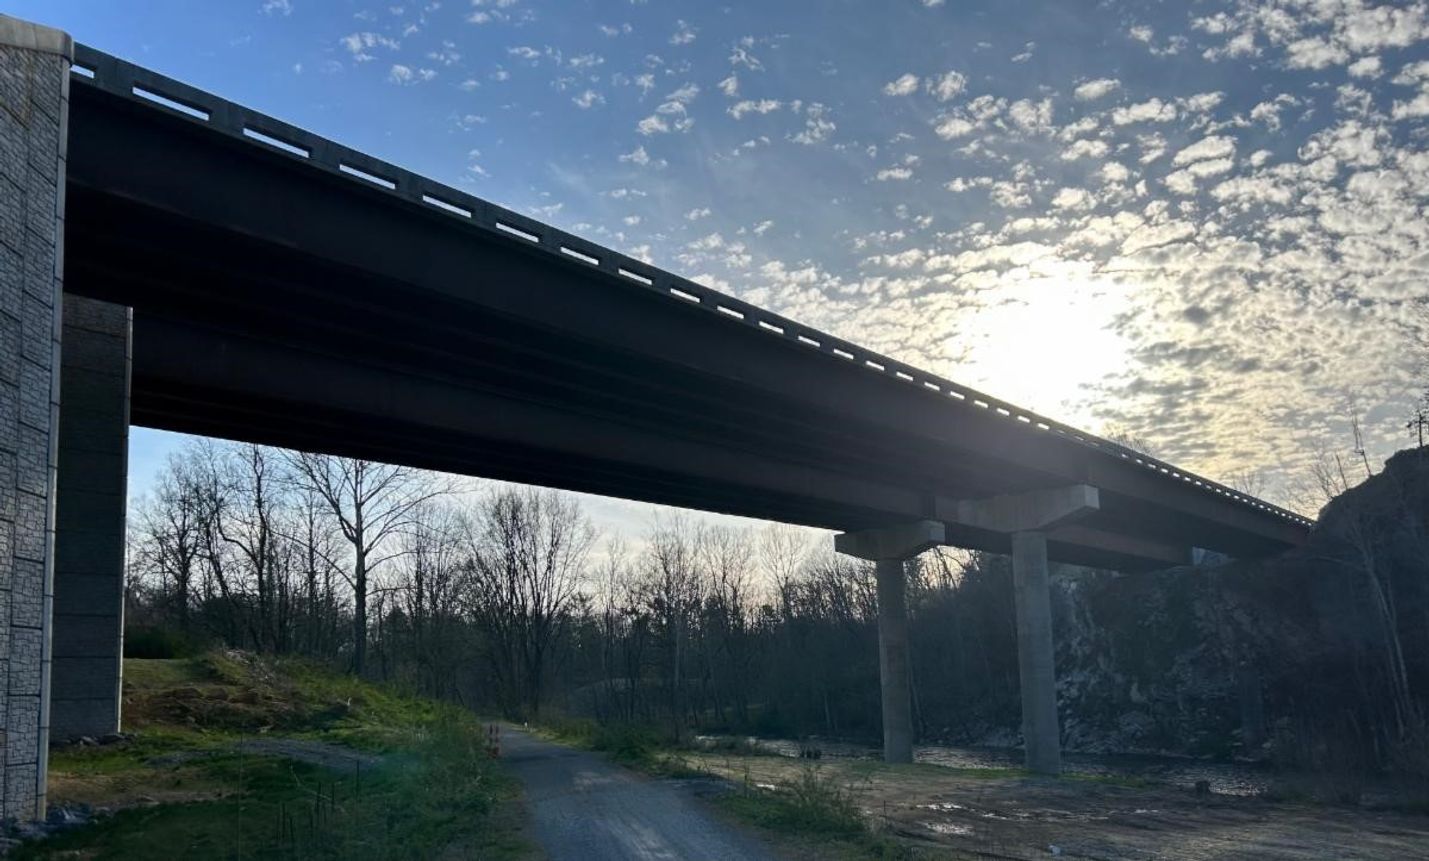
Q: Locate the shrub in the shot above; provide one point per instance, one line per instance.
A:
(150, 641)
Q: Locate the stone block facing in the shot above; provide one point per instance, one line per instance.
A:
(34, 104)
(88, 613)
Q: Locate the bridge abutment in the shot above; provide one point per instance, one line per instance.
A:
(889, 549)
(34, 106)
(90, 507)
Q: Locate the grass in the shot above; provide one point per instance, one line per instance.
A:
(180, 789)
(816, 816)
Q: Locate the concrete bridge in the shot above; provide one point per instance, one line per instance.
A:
(173, 260)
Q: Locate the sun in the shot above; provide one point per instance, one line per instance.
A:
(1043, 341)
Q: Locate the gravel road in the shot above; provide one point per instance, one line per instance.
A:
(584, 808)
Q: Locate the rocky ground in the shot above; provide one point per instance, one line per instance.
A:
(1000, 814)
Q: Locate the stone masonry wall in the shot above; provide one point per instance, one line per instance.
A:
(34, 101)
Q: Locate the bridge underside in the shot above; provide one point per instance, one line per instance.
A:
(286, 306)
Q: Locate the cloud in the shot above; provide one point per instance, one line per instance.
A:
(1030, 116)
(1092, 90)
(950, 128)
(639, 156)
(1085, 149)
(276, 7)
(817, 125)
(403, 75)
(684, 34)
(1184, 181)
(360, 44)
(893, 173)
(1074, 199)
(1215, 146)
(946, 86)
(588, 99)
(697, 213)
(1150, 111)
(652, 125)
(906, 85)
(750, 106)
(1365, 67)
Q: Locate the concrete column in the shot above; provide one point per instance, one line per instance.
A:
(888, 547)
(90, 506)
(34, 108)
(1041, 736)
(894, 674)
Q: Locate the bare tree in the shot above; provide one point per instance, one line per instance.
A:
(166, 535)
(528, 556)
(372, 503)
(248, 520)
(430, 594)
(672, 591)
(782, 551)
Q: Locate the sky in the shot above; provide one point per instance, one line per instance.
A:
(1201, 224)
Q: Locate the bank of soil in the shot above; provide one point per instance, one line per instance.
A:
(1007, 815)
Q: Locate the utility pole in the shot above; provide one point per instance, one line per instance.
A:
(1359, 445)
(1419, 423)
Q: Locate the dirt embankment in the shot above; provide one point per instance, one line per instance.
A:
(1004, 816)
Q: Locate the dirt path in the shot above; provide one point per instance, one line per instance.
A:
(585, 808)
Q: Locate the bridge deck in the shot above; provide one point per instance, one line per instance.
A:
(289, 291)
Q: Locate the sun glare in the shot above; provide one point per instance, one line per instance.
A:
(1044, 342)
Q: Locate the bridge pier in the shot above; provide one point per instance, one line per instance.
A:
(34, 106)
(889, 548)
(1036, 658)
(90, 507)
(1028, 517)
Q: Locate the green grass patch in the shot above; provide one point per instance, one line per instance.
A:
(631, 744)
(817, 812)
(182, 789)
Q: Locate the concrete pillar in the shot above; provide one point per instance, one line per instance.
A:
(888, 547)
(894, 674)
(88, 623)
(1041, 736)
(34, 107)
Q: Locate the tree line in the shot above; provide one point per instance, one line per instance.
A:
(507, 600)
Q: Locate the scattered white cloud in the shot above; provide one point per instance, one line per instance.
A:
(1365, 67)
(754, 106)
(1215, 146)
(403, 75)
(1073, 198)
(684, 34)
(1085, 149)
(1089, 91)
(588, 99)
(1150, 111)
(905, 85)
(947, 86)
(360, 45)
